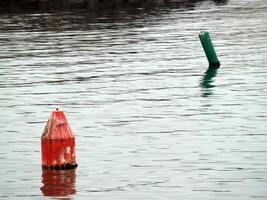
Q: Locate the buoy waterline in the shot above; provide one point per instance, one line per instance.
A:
(209, 50)
(58, 143)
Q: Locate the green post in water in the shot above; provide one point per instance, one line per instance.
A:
(209, 49)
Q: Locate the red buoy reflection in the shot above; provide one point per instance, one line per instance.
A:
(58, 183)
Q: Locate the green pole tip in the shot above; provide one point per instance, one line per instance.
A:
(209, 49)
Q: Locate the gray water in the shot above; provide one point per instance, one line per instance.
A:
(149, 122)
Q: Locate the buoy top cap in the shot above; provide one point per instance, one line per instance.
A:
(202, 33)
(57, 127)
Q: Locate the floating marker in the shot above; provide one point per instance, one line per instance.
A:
(209, 49)
(58, 143)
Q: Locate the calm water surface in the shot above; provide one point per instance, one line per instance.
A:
(150, 122)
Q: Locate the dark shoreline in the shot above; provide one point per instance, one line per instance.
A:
(21, 5)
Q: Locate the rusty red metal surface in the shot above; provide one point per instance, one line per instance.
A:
(58, 143)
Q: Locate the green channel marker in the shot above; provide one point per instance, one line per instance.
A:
(209, 49)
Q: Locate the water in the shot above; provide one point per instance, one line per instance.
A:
(150, 122)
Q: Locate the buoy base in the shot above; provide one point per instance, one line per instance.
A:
(214, 65)
(61, 167)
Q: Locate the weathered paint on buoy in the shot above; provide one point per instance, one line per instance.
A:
(209, 50)
(58, 143)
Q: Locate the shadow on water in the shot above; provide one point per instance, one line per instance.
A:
(207, 82)
(58, 183)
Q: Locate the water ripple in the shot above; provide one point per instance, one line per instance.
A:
(150, 120)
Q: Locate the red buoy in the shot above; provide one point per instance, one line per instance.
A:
(58, 143)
